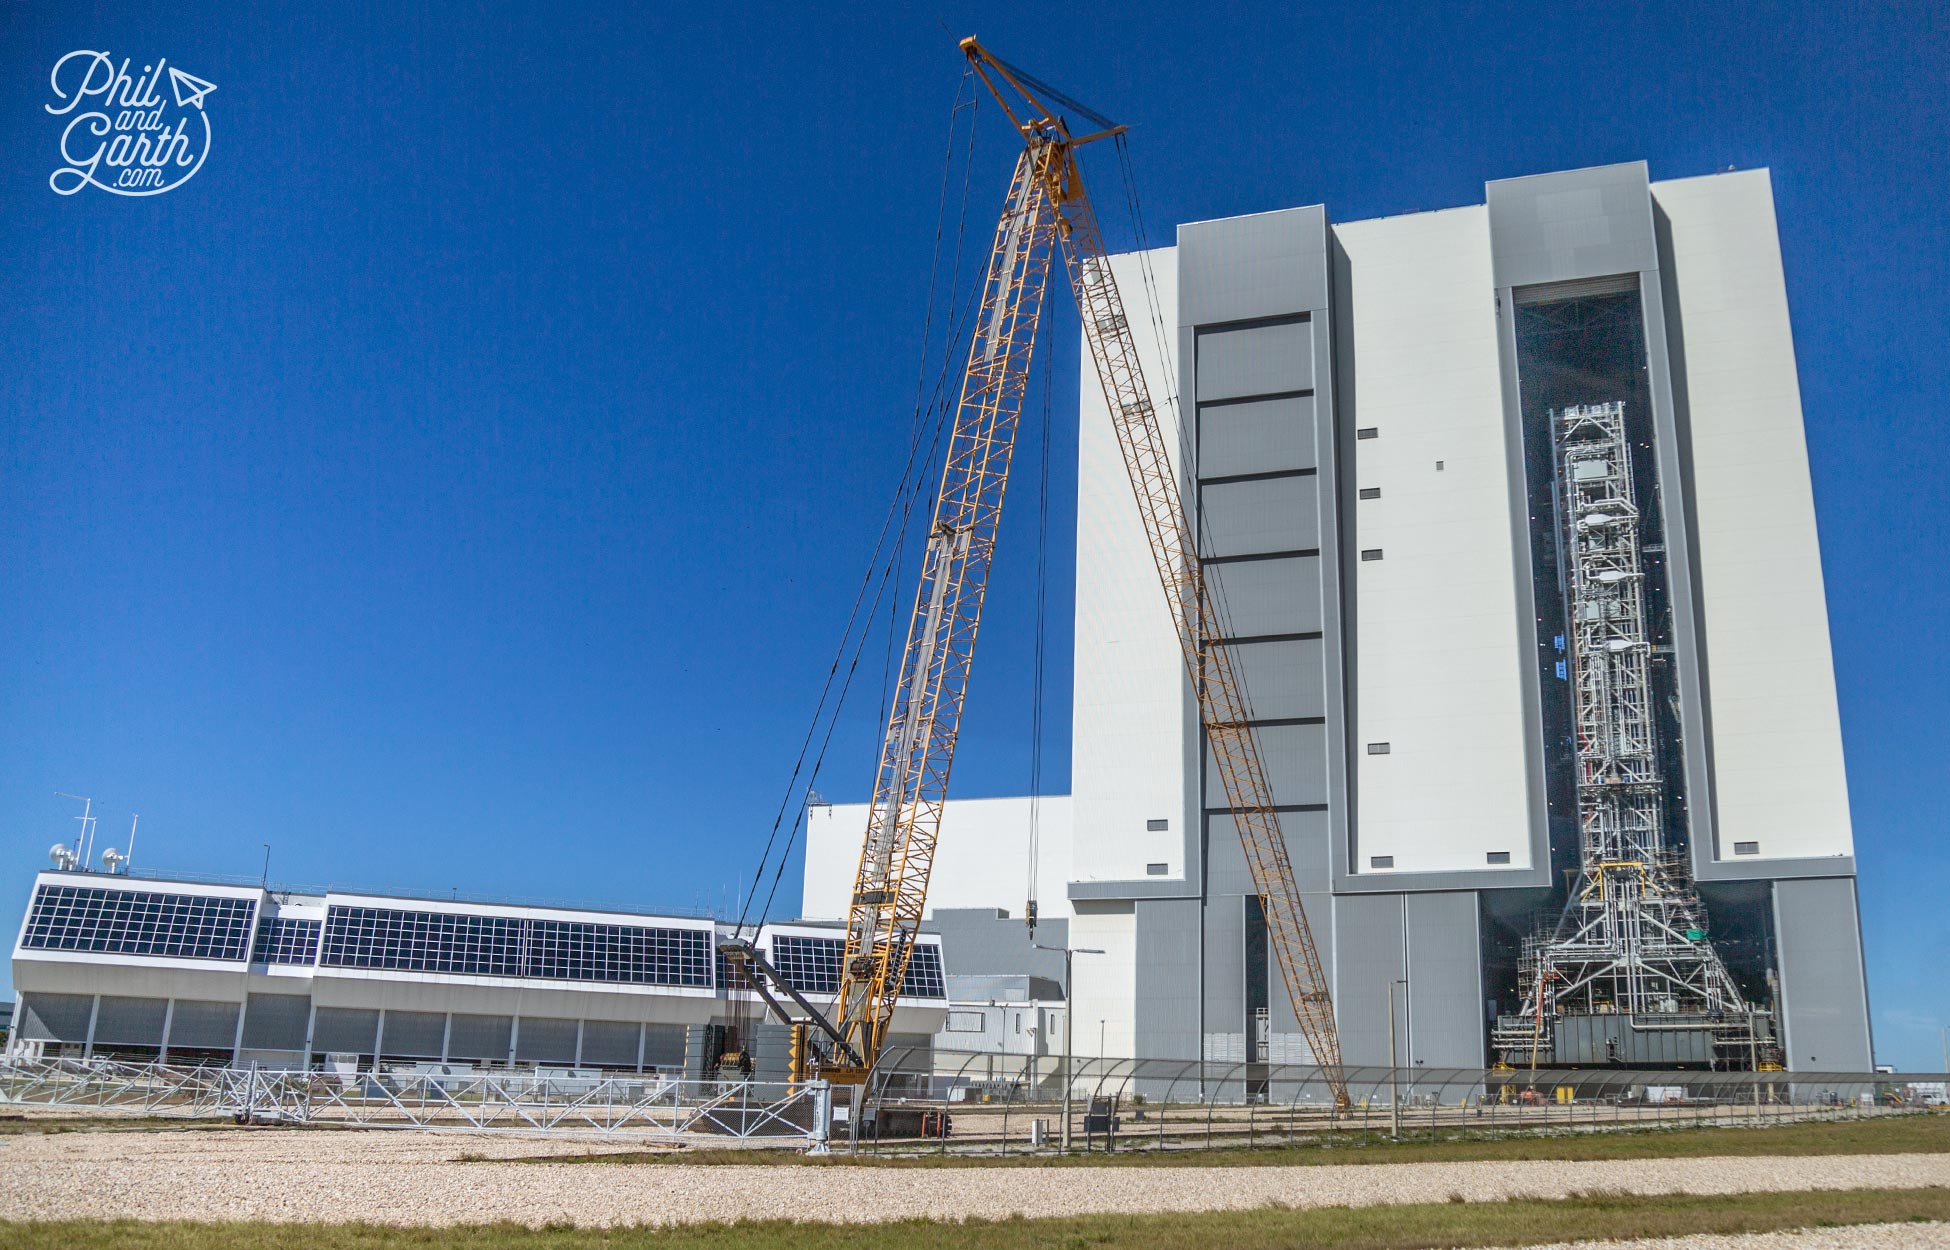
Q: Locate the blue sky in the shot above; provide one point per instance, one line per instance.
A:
(461, 482)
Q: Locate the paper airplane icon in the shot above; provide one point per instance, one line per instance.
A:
(189, 89)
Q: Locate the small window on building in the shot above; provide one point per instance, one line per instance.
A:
(1372, 553)
(1371, 492)
(1499, 857)
(1156, 826)
(1156, 870)
(1381, 861)
(1378, 748)
(1368, 432)
(1746, 848)
(1438, 466)
(964, 1022)
(1018, 1022)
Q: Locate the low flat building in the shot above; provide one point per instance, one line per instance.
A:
(145, 969)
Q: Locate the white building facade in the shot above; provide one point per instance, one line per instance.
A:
(1361, 414)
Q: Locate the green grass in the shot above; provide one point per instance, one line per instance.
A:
(1907, 1134)
(1450, 1224)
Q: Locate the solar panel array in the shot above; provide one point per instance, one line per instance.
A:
(138, 922)
(811, 965)
(511, 946)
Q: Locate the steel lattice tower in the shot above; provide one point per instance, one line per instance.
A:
(1632, 937)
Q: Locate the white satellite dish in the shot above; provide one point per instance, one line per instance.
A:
(113, 860)
(63, 856)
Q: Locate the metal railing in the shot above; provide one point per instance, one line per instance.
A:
(984, 1103)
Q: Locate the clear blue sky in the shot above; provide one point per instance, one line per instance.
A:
(460, 483)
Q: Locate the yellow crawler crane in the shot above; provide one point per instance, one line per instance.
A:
(1046, 207)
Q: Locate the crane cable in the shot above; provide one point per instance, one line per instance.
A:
(906, 495)
(1042, 595)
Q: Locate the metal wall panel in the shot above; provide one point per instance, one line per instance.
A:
(1282, 680)
(1262, 265)
(541, 1039)
(663, 1045)
(130, 1021)
(1167, 1019)
(276, 1021)
(1270, 359)
(610, 1043)
(1447, 1009)
(977, 941)
(1262, 597)
(1256, 436)
(349, 1030)
(1580, 223)
(415, 1034)
(1260, 516)
(473, 1037)
(1295, 757)
(1824, 1000)
(1369, 956)
(207, 1025)
(55, 1017)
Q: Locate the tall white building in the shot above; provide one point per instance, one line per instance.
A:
(1363, 413)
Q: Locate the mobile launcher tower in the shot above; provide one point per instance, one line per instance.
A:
(1632, 939)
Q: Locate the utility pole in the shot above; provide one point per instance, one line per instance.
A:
(1394, 1067)
(1069, 1023)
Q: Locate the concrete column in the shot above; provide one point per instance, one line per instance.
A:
(94, 1010)
(169, 1022)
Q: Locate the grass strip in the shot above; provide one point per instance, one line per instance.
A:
(1906, 1134)
(1452, 1224)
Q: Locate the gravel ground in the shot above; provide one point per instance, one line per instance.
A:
(415, 1178)
(1860, 1237)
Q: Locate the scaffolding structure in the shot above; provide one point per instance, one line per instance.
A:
(1630, 956)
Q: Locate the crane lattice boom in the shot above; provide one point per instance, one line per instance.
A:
(1046, 206)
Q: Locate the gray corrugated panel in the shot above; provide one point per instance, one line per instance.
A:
(1824, 1002)
(1448, 1011)
(1582, 223)
(1225, 957)
(1368, 958)
(981, 940)
(541, 1039)
(698, 1058)
(276, 1021)
(663, 1045)
(55, 1017)
(1260, 597)
(130, 1021)
(1306, 835)
(473, 1037)
(1282, 680)
(349, 1030)
(1167, 978)
(609, 1043)
(1265, 265)
(1266, 359)
(1295, 757)
(1259, 516)
(203, 1024)
(1256, 436)
(415, 1034)
(771, 1052)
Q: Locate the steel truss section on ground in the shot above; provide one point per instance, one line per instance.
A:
(981, 1103)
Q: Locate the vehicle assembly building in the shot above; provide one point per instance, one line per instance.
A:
(1506, 510)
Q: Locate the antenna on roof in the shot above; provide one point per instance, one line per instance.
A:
(87, 819)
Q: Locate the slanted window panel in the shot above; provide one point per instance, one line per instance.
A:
(808, 964)
(924, 977)
(282, 941)
(513, 946)
(139, 922)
